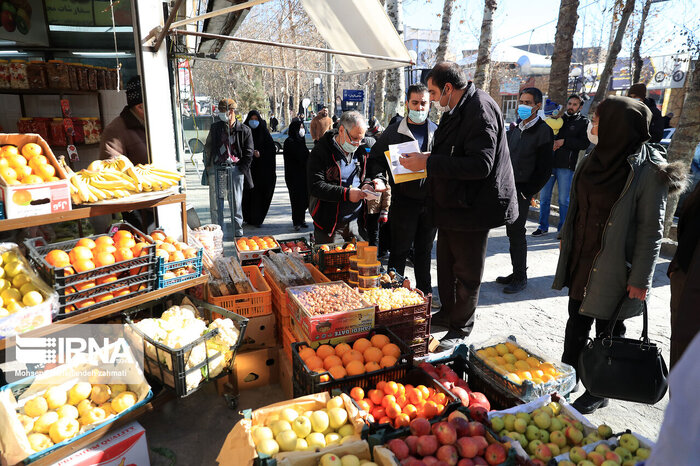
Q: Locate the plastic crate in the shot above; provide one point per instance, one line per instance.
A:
(248, 304)
(163, 267)
(338, 276)
(279, 297)
(156, 367)
(288, 338)
(137, 274)
(307, 255)
(329, 260)
(410, 323)
(307, 382)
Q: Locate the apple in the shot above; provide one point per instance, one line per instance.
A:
(287, 440)
(605, 431)
(465, 462)
(445, 433)
(345, 430)
(280, 426)
(643, 453)
(428, 461)
(609, 463)
(301, 445)
(555, 424)
(448, 454)
(495, 454)
(301, 426)
(543, 452)
(554, 448)
(532, 446)
(532, 432)
(427, 445)
(461, 425)
(462, 394)
(289, 414)
(481, 444)
(319, 421)
(603, 448)
(456, 414)
(537, 462)
(544, 436)
(497, 423)
(268, 447)
(574, 435)
(337, 416)
(623, 453)
(543, 421)
(520, 425)
(467, 447)
(261, 433)
(476, 429)
(399, 448)
(515, 436)
(628, 441)
(577, 454)
(566, 463)
(524, 416)
(316, 440)
(333, 438)
(419, 426)
(329, 459)
(612, 456)
(595, 458)
(586, 463)
(412, 444)
(509, 422)
(479, 413)
(479, 399)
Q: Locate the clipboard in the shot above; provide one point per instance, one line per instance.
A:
(402, 178)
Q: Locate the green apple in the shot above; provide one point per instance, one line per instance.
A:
(532, 446)
(558, 438)
(288, 414)
(555, 424)
(609, 463)
(602, 448)
(524, 416)
(605, 431)
(337, 417)
(335, 402)
(508, 419)
(301, 445)
(301, 426)
(287, 440)
(268, 447)
(543, 421)
(586, 463)
(643, 453)
(333, 438)
(577, 454)
(497, 424)
(544, 436)
(316, 440)
(623, 453)
(554, 448)
(532, 433)
(503, 433)
(630, 442)
(520, 425)
(516, 437)
(566, 463)
(280, 426)
(319, 421)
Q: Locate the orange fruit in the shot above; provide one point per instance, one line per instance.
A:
(16, 160)
(31, 150)
(80, 253)
(37, 160)
(378, 412)
(83, 265)
(104, 297)
(357, 393)
(32, 179)
(414, 395)
(337, 372)
(401, 390)
(107, 279)
(104, 248)
(401, 400)
(85, 303)
(160, 236)
(87, 242)
(123, 254)
(104, 258)
(388, 399)
(138, 248)
(379, 340)
(361, 344)
(324, 351)
(314, 363)
(372, 366)
(9, 174)
(170, 240)
(376, 396)
(45, 171)
(4, 163)
(440, 398)
(58, 258)
(372, 354)
(352, 355)
(391, 349)
(385, 420)
(104, 240)
(177, 256)
(424, 391)
(324, 377)
(402, 420)
(410, 410)
(440, 409)
(380, 385)
(23, 172)
(392, 410)
(430, 410)
(119, 234)
(122, 292)
(364, 405)
(306, 352)
(330, 361)
(387, 361)
(355, 368)
(391, 388)
(9, 150)
(341, 349)
(129, 243)
(84, 285)
(243, 247)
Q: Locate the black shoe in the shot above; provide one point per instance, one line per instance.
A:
(539, 232)
(515, 286)
(297, 227)
(587, 403)
(451, 339)
(305, 225)
(505, 280)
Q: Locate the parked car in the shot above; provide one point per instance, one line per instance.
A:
(196, 130)
(280, 137)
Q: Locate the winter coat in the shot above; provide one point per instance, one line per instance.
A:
(574, 132)
(532, 156)
(319, 126)
(326, 191)
(470, 177)
(380, 205)
(656, 127)
(378, 167)
(631, 237)
(296, 155)
(125, 135)
(242, 147)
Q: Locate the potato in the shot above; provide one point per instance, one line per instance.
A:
(55, 397)
(107, 408)
(36, 407)
(39, 442)
(69, 411)
(117, 388)
(92, 416)
(100, 394)
(44, 422)
(79, 392)
(84, 406)
(63, 429)
(124, 401)
(27, 422)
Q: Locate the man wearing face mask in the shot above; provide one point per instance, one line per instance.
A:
(656, 127)
(337, 174)
(470, 188)
(228, 154)
(411, 225)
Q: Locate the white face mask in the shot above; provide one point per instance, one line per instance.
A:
(223, 116)
(442, 108)
(592, 137)
(302, 132)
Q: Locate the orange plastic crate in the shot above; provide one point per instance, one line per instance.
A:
(279, 298)
(288, 338)
(248, 304)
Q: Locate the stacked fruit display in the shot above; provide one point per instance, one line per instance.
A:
(393, 298)
(328, 298)
(17, 289)
(344, 360)
(256, 243)
(294, 430)
(456, 441)
(172, 250)
(629, 452)
(60, 414)
(517, 365)
(330, 249)
(477, 402)
(27, 165)
(294, 246)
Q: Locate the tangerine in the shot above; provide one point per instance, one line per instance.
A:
(306, 352)
(388, 399)
(80, 253)
(385, 420)
(424, 391)
(9, 150)
(414, 395)
(138, 248)
(103, 259)
(31, 150)
(23, 172)
(107, 279)
(124, 234)
(379, 340)
(355, 368)
(45, 171)
(32, 179)
(123, 254)
(87, 242)
(58, 258)
(390, 349)
(330, 361)
(352, 355)
(380, 385)
(84, 285)
(9, 174)
(85, 303)
(337, 372)
(372, 366)
(357, 393)
(410, 410)
(83, 265)
(401, 400)
(37, 160)
(392, 410)
(440, 398)
(104, 297)
(364, 405)
(378, 412)
(314, 363)
(130, 243)
(375, 396)
(100, 248)
(324, 351)
(372, 354)
(387, 361)
(430, 410)
(361, 344)
(391, 388)
(122, 292)
(341, 349)
(16, 160)
(402, 420)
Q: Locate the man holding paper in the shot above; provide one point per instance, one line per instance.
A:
(411, 225)
(471, 188)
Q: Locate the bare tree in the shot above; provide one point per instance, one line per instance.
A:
(604, 79)
(483, 59)
(563, 48)
(636, 57)
(447, 9)
(395, 80)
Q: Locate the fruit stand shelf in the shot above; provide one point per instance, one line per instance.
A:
(112, 308)
(91, 211)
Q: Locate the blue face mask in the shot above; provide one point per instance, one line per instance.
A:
(524, 111)
(253, 123)
(417, 116)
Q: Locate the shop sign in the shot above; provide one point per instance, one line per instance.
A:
(353, 95)
(70, 12)
(510, 86)
(24, 22)
(670, 71)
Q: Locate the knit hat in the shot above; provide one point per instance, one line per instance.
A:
(638, 90)
(133, 92)
(550, 107)
(227, 104)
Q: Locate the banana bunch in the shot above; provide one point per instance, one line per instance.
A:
(119, 163)
(150, 178)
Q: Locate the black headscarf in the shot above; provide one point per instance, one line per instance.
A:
(260, 134)
(293, 131)
(623, 126)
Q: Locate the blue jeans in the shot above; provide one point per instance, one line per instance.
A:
(226, 184)
(562, 176)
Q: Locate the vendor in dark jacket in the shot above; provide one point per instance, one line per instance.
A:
(530, 145)
(471, 190)
(411, 225)
(656, 128)
(336, 174)
(568, 142)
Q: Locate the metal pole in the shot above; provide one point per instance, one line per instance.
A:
(293, 46)
(242, 63)
(212, 14)
(168, 22)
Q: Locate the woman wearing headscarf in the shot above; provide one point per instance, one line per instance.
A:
(256, 201)
(612, 233)
(295, 155)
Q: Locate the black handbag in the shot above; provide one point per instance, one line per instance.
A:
(624, 368)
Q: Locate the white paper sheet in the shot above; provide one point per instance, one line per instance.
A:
(395, 151)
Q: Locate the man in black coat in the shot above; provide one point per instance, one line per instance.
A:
(568, 142)
(656, 127)
(471, 189)
(530, 145)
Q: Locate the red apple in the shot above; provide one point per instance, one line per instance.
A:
(455, 414)
(495, 454)
(478, 413)
(462, 394)
(399, 448)
(481, 444)
(467, 447)
(420, 426)
(461, 425)
(479, 399)
(430, 461)
(537, 462)
(479, 461)
(476, 429)
(445, 433)
(542, 452)
(465, 462)
(412, 444)
(448, 454)
(427, 445)
(407, 461)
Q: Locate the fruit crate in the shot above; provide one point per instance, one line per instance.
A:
(332, 259)
(338, 276)
(307, 382)
(253, 257)
(254, 304)
(410, 323)
(288, 339)
(164, 267)
(155, 359)
(307, 254)
(279, 297)
(137, 275)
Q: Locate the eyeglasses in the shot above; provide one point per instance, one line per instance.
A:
(355, 142)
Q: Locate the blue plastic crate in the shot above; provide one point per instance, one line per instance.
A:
(163, 267)
(2, 211)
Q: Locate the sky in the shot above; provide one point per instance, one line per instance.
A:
(518, 22)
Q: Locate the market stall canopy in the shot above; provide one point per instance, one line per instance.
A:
(358, 26)
(225, 24)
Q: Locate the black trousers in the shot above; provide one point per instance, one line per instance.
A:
(460, 264)
(342, 232)
(578, 328)
(299, 199)
(518, 239)
(411, 226)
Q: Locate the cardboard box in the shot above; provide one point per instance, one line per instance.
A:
(257, 368)
(122, 447)
(27, 200)
(286, 375)
(260, 333)
(301, 335)
(318, 327)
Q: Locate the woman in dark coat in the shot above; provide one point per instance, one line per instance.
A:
(257, 200)
(612, 234)
(295, 155)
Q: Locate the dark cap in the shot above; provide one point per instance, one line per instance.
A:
(133, 92)
(227, 104)
(639, 90)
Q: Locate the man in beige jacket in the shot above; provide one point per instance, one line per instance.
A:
(320, 124)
